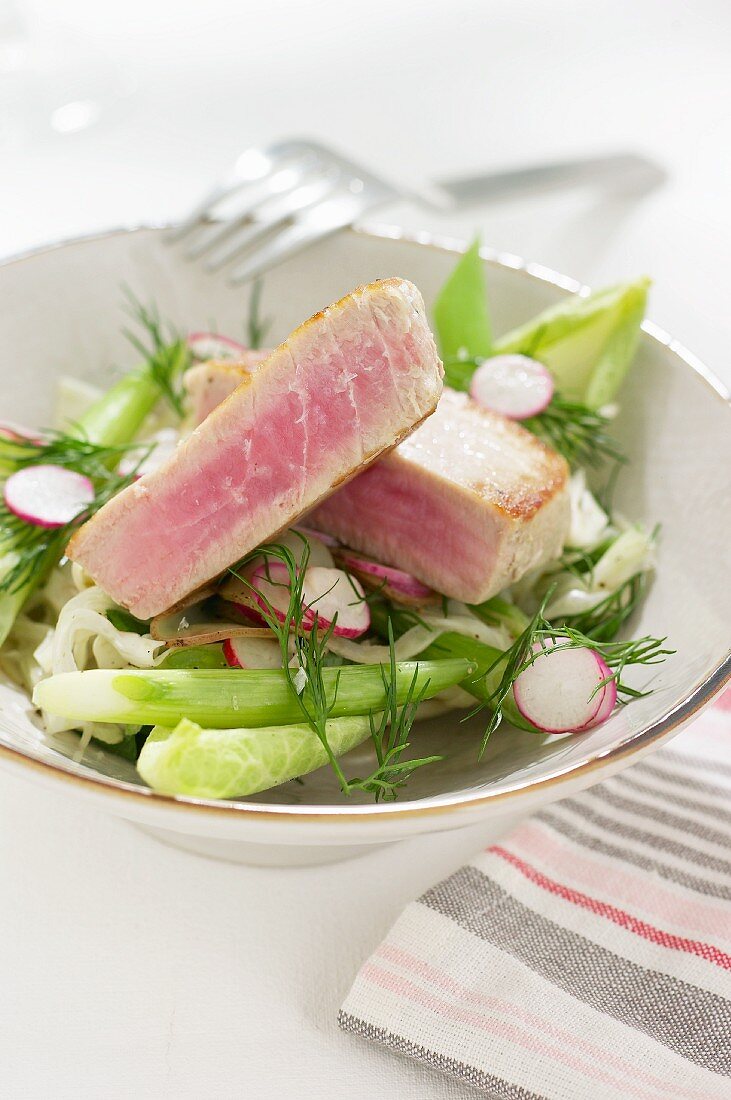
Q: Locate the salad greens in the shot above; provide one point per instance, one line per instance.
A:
(231, 697)
(102, 435)
(228, 763)
(223, 732)
(461, 316)
(587, 343)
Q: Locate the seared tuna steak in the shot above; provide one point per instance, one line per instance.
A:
(468, 504)
(345, 387)
(207, 384)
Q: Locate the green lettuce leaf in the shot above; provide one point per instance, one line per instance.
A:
(587, 343)
(214, 763)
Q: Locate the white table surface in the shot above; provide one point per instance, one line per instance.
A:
(128, 969)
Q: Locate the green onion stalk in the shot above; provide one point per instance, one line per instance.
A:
(111, 422)
(232, 698)
(483, 678)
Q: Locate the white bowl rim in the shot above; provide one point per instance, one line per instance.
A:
(659, 730)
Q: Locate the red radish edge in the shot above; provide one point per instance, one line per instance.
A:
(560, 699)
(47, 495)
(327, 593)
(211, 345)
(319, 598)
(514, 385)
(394, 578)
(608, 695)
(311, 533)
(252, 653)
(229, 655)
(18, 433)
(270, 584)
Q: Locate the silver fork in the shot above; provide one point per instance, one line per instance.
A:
(278, 199)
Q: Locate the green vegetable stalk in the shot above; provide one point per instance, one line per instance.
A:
(117, 417)
(230, 763)
(113, 420)
(232, 698)
(451, 645)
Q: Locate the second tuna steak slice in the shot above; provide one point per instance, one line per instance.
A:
(345, 387)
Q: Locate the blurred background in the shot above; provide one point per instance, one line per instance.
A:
(114, 113)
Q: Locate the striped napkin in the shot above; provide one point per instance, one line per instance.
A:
(586, 955)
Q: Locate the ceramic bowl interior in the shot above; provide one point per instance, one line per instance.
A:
(62, 314)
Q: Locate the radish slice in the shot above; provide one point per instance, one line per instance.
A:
(513, 385)
(211, 345)
(252, 653)
(48, 496)
(402, 586)
(328, 593)
(271, 588)
(557, 693)
(608, 694)
(19, 434)
(311, 533)
(319, 550)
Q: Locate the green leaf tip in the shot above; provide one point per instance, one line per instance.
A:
(461, 315)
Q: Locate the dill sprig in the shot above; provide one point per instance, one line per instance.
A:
(389, 730)
(539, 634)
(576, 432)
(256, 327)
(603, 621)
(32, 549)
(166, 352)
(571, 428)
(310, 645)
(73, 452)
(390, 735)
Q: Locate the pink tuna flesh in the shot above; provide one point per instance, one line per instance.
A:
(344, 388)
(207, 384)
(468, 504)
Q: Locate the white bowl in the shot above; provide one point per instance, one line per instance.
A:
(62, 315)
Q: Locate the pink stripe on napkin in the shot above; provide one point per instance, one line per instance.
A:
(586, 954)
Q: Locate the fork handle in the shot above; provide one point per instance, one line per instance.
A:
(628, 172)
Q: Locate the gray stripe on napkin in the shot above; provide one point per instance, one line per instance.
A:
(500, 1088)
(661, 796)
(679, 779)
(629, 832)
(604, 793)
(691, 1021)
(637, 859)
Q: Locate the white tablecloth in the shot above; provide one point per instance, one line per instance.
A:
(131, 969)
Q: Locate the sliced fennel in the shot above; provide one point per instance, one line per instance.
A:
(83, 629)
(417, 638)
(229, 763)
(231, 698)
(73, 398)
(589, 521)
